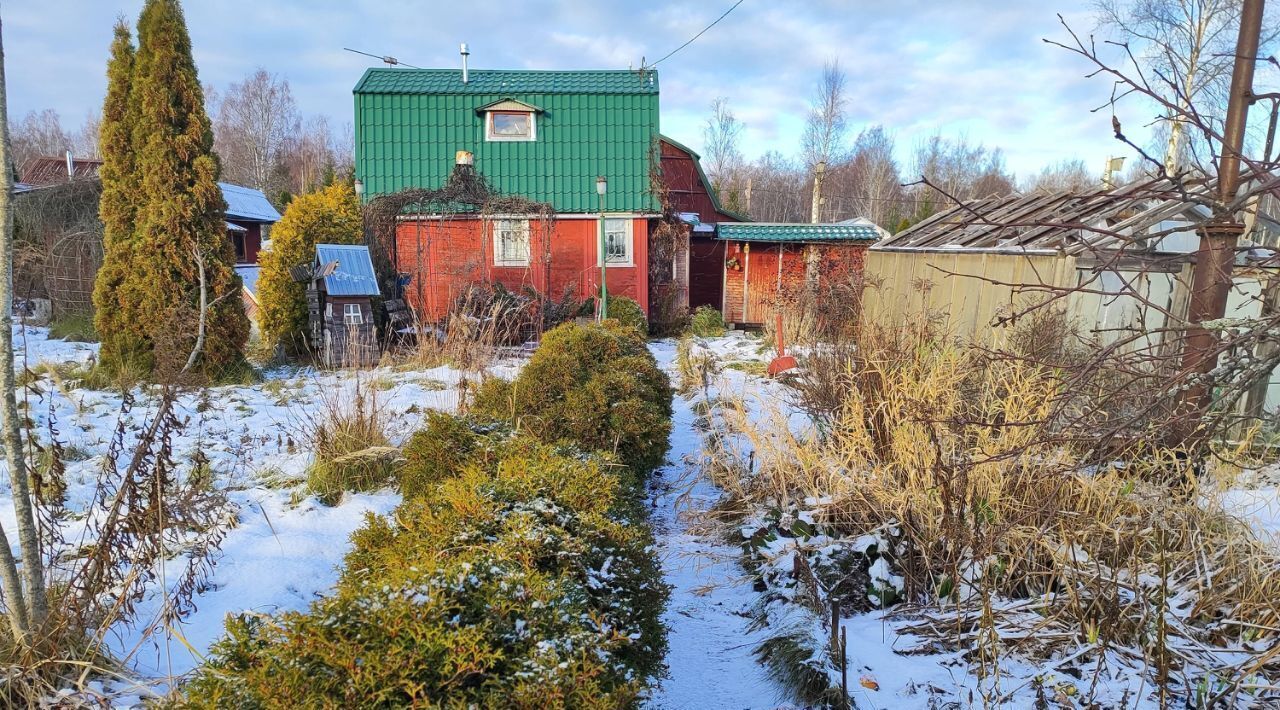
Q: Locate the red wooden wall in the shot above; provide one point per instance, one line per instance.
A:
(445, 256)
(760, 278)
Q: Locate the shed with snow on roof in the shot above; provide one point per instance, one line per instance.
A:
(340, 293)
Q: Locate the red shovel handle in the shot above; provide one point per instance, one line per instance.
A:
(778, 329)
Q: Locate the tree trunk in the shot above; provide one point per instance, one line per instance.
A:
(28, 535)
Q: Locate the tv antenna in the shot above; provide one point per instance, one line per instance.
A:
(389, 60)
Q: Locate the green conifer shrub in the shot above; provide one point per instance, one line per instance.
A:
(328, 216)
(707, 322)
(434, 452)
(176, 217)
(518, 582)
(596, 387)
(116, 206)
(627, 312)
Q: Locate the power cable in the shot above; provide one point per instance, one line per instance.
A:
(390, 61)
(704, 30)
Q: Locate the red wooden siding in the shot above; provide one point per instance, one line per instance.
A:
(685, 189)
(750, 291)
(252, 241)
(687, 192)
(706, 273)
(445, 256)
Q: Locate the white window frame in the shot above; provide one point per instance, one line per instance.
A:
(347, 314)
(490, 135)
(628, 230)
(504, 225)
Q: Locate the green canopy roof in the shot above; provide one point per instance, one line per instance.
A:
(775, 232)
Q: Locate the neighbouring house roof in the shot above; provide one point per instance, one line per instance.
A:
(795, 233)
(236, 228)
(410, 124)
(247, 204)
(1075, 222)
(706, 183)
(354, 275)
(866, 222)
(249, 276)
(50, 170)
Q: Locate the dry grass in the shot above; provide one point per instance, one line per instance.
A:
(347, 428)
(1008, 543)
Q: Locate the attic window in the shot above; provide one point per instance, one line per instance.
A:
(510, 126)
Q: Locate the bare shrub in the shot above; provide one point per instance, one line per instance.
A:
(1002, 538)
(485, 318)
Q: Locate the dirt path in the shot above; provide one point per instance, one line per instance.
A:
(710, 658)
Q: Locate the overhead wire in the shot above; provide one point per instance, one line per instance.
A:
(691, 39)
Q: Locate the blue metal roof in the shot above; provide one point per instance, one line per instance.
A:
(803, 233)
(354, 275)
(249, 275)
(247, 204)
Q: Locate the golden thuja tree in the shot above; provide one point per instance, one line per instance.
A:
(179, 230)
(329, 216)
(117, 206)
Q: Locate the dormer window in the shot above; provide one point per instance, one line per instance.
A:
(510, 120)
(510, 126)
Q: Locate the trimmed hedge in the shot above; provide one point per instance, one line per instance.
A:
(629, 313)
(514, 580)
(596, 387)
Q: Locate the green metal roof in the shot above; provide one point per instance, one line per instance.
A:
(774, 232)
(410, 123)
(482, 81)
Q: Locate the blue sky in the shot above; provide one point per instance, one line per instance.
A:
(965, 67)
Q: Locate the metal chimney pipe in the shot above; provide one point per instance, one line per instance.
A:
(464, 52)
(71, 166)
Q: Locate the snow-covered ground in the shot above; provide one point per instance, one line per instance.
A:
(712, 650)
(285, 547)
(711, 660)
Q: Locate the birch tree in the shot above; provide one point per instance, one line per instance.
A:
(1189, 48)
(257, 118)
(721, 138)
(27, 608)
(827, 122)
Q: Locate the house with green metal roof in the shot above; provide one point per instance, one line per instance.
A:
(580, 145)
(542, 135)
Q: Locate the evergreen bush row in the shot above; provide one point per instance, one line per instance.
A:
(516, 573)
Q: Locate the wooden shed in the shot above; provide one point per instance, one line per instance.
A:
(1123, 258)
(340, 305)
(765, 263)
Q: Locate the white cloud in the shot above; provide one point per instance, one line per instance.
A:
(917, 67)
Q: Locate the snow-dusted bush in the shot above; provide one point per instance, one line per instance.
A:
(707, 322)
(627, 312)
(435, 452)
(518, 582)
(596, 387)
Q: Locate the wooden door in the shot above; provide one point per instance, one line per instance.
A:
(762, 283)
(706, 273)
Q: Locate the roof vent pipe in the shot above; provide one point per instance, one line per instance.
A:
(71, 166)
(464, 52)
